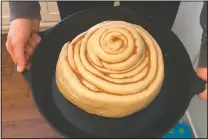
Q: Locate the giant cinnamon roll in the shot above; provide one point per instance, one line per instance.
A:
(113, 69)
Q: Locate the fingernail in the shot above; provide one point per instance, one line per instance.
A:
(20, 68)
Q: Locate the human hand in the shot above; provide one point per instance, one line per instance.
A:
(202, 73)
(22, 40)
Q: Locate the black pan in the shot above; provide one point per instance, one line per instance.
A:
(180, 84)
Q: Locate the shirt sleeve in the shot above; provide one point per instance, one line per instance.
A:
(203, 49)
(24, 9)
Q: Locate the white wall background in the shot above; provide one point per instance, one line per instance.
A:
(187, 28)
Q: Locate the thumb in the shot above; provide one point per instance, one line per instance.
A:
(202, 73)
(20, 57)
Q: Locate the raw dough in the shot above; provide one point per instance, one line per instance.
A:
(113, 70)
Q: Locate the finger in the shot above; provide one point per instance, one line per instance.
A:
(32, 44)
(10, 51)
(35, 40)
(29, 51)
(20, 57)
(27, 59)
(203, 95)
(202, 73)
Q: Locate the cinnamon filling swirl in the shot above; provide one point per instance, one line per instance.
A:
(113, 69)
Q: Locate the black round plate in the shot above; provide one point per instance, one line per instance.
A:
(180, 84)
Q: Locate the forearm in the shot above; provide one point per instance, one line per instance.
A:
(203, 50)
(24, 9)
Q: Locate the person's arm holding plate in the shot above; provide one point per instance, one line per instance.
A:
(202, 67)
(22, 38)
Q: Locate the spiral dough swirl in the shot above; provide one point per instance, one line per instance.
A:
(113, 70)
